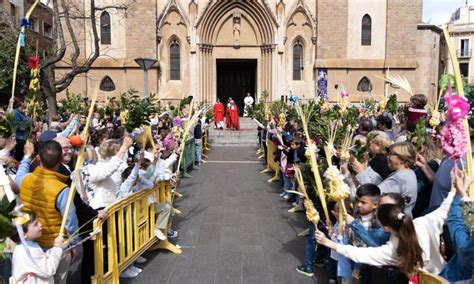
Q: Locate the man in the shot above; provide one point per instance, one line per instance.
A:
(84, 213)
(384, 123)
(110, 128)
(22, 123)
(44, 191)
(248, 102)
(219, 110)
(234, 116)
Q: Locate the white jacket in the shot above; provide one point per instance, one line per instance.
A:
(99, 179)
(44, 266)
(162, 168)
(428, 229)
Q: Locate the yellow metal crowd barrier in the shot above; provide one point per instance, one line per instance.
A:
(128, 232)
(272, 165)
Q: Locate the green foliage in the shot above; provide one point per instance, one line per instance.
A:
(139, 109)
(7, 59)
(392, 104)
(257, 111)
(277, 107)
(443, 82)
(320, 123)
(72, 103)
(183, 103)
(6, 228)
(359, 151)
(419, 134)
(6, 125)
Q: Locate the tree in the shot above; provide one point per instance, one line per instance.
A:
(70, 17)
(7, 57)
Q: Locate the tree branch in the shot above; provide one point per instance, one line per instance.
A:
(77, 50)
(59, 34)
(65, 81)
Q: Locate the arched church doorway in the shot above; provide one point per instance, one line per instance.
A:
(236, 78)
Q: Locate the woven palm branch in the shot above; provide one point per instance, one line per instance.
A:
(399, 81)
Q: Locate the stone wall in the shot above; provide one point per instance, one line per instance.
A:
(428, 57)
(402, 19)
(332, 28)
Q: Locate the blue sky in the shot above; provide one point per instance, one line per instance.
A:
(437, 12)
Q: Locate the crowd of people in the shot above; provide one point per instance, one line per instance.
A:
(39, 163)
(408, 209)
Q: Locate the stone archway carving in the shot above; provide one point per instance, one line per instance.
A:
(234, 16)
(311, 21)
(208, 23)
(172, 6)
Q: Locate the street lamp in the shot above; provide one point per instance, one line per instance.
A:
(145, 64)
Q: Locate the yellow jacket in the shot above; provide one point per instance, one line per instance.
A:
(38, 193)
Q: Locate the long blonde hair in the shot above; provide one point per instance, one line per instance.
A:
(405, 151)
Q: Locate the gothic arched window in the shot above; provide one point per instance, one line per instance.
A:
(364, 85)
(366, 38)
(297, 60)
(175, 67)
(105, 30)
(107, 85)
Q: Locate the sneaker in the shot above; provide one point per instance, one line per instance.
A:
(286, 196)
(305, 271)
(129, 273)
(159, 234)
(172, 234)
(299, 207)
(282, 193)
(136, 269)
(140, 260)
(295, 203)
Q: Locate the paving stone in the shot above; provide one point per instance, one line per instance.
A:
(234, 228)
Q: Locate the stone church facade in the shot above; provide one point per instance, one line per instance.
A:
(229, 48)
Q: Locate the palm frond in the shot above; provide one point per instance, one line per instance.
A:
(399, 81)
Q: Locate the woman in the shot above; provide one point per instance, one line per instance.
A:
(401, 158)
(413, 244)
(378, 143)
(99, 177)
(427, 163)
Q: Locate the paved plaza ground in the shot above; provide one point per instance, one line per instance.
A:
(234, 228)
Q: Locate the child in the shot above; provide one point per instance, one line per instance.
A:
(413, 245)
(339, 266)
(416, 110)
(367, 197)
(36, 266)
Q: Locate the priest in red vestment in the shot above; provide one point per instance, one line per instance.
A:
(219, 111)
(234, 116)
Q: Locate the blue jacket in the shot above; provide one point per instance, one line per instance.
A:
(460, 266)
(374, 237)
(22, 124)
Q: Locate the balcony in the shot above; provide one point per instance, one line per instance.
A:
(464, 53)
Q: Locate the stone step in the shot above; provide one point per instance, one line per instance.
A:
(245, 137)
